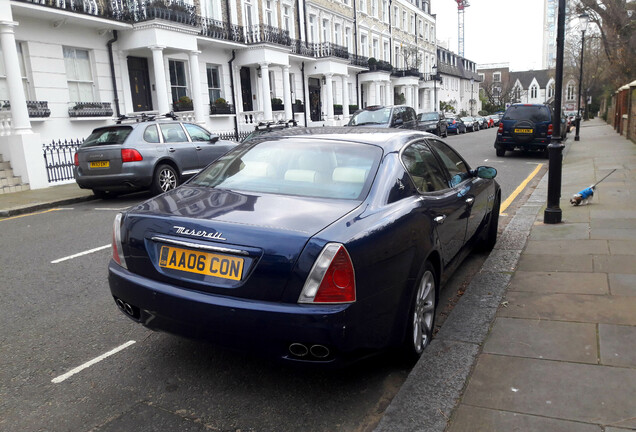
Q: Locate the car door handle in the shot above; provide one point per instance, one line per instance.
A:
(171, 149)
(440, 219)
(198, 148)
(470, 200)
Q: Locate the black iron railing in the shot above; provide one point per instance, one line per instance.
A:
(222, 109)
(328, 49)
(263, 33)
(58, 159)
(231, 135)
(37, 109)
(90, 109)
(412, 72)
(358, 60)
(220, 30)
(301, 48)
(169, 10)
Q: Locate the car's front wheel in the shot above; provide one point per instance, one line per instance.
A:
(421, 315)
(490, 233)
(165, 179)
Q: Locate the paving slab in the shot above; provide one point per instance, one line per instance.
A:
(542, 262)
(563, 231)
(624, 264)
(622, 284)
(614, 223)
(613, 233)
(560, 282)
(594, 394)
(567, 247)
(618, 345)
(474, 419)
(571, 307)
(622, 247)
(552, 340)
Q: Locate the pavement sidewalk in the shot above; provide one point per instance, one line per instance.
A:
(545, 337)
(16, 203)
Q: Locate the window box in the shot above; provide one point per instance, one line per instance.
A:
(221, 109)
(91, 109)
(37, 109)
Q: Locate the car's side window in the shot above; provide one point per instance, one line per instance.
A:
(409, 115)
(197, 133)
(424, 169)
(151, 135)
(452, 161)
(172, 133)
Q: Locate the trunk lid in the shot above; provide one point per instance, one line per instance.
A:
(251, 242)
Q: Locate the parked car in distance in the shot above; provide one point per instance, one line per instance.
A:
(144, 152)
(495, 119)
(483, 122)
(471, 123)
(320, 247)
(455, 125)
(392, 116)
(433, 122)
(527, 127)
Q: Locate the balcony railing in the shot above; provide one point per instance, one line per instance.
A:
(169, 10)
(221, 30)
(263, 33)
(358, 60)
(36, 109)
(90, 109)
(301, 48)
(328, 49)
(408, 72)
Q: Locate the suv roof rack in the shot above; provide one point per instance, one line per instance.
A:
(143, 117)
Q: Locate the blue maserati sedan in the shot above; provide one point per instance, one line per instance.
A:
(315, 245)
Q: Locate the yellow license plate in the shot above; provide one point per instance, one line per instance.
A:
(527, 131)
(99, 164)
(205, 263)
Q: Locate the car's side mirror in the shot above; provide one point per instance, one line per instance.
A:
(398, 122)
(485, 172)
(213, 139)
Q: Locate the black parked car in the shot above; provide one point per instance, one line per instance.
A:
(527, 127)
(433, 122)
(392, 116)
(148, 152)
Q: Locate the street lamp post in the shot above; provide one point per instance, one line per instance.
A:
(472, 100)
(584, 19)
(553, 214)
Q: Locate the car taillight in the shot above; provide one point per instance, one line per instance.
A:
(550, 129)
(118, 253)
(500, 129)
(453, 121)
(76, 159)
(331, 279)
(130, 155)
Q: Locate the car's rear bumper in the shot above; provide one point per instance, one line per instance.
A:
(113, 182)
(508, 143)
(267, 328)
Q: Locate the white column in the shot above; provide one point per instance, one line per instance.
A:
(407, 93)
(388, 93)
(329, 98)
(125, 83)
(163, 105)
(197, 94)
(19, 112)
(267, 100)
(416, 98)
(376, 95)
(289, 115)
(345, 96)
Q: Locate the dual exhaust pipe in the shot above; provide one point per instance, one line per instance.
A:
(125, 307)
(300, 350)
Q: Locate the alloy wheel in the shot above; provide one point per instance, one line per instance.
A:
(424, 312)
(167, 179)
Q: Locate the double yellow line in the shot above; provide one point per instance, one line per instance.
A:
(28, 214)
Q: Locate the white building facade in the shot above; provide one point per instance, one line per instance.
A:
(69, 66)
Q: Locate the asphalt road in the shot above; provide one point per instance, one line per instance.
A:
(56, 314)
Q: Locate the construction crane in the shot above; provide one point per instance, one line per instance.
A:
(461, 5)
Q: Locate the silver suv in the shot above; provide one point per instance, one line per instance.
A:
(145, 153)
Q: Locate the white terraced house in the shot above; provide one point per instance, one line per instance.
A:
(69, 66)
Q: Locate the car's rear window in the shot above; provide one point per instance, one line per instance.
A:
(375, 116)
(296, 167)
(113, 135)
(429, 116)
(528, 112)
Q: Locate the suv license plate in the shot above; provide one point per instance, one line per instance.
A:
(211, 264)
(99, 164)
(523, 131)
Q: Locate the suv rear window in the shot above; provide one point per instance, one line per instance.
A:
(528, 112)
(108, 136)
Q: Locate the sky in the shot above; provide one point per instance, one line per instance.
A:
(495, 31)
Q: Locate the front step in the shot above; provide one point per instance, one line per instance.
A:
(10, 183)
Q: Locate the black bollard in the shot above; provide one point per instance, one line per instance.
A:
(552, 213)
